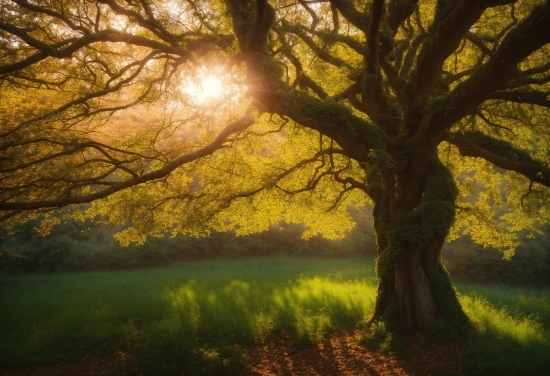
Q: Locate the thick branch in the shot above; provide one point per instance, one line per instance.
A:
(539, 98)
(531, 34)
(351, 14)
(399, 11)
(468, 148)
(478, 43)
(355, 135)
(444, 39)
(373, 95)
(313, 15)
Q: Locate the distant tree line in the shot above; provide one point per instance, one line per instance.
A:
(83, 246)
(80, 246)
(469, 262)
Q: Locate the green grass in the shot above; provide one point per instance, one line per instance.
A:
(181, 318)
(200, 317)
(533, 303)
(512, 330)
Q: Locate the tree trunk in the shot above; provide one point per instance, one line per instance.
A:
(414, 289)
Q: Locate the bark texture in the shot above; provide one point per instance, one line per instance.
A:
(414, 289)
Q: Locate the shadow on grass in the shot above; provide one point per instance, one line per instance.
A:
(205, 331)
(505, 343)
(192, 319)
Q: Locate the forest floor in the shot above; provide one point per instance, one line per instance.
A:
(341, 355)
(282, 356)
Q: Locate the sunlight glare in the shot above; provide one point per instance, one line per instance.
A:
(209, 87)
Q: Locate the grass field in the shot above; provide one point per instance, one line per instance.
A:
(203, 315)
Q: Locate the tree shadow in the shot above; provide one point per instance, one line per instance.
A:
(341, 355)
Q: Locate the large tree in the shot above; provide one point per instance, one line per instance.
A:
(427, 109)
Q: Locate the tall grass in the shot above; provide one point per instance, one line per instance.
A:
(181, 318)
(512, 330)
(200, 317)
(533, 303)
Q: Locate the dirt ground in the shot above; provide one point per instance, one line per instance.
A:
(338, 355)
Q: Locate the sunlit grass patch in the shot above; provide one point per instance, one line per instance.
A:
(313, 307)
(243, 310)
(511, 338)
(499, 324)
(184, 318)
(533, 303)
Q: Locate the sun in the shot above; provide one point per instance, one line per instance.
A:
(204, 88)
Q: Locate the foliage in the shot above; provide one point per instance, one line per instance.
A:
(471, 263)
(76, 246)
(98, 99)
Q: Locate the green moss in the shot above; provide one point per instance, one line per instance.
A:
(329, 114)
(439, 106)
(433, 217)
(384, 264)
(430, 219)
(440, 184)
(453, 321)
(500, 147)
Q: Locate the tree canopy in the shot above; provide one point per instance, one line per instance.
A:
(436, 111)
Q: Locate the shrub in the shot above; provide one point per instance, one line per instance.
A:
(471, 263)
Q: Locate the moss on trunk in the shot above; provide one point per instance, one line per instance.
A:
(414, 289)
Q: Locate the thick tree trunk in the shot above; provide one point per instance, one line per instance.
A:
(417, 309)
(414, 289)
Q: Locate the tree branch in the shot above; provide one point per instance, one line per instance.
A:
(444, 38)
(399, 11)
(539, 98)
(234, 127)
(530, 169)
(321, 53)
(531, 34)
(352, 15)
(376, 104)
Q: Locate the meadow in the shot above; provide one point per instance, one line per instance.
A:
(204, 315)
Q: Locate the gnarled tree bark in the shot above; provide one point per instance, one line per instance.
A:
(414, 289)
